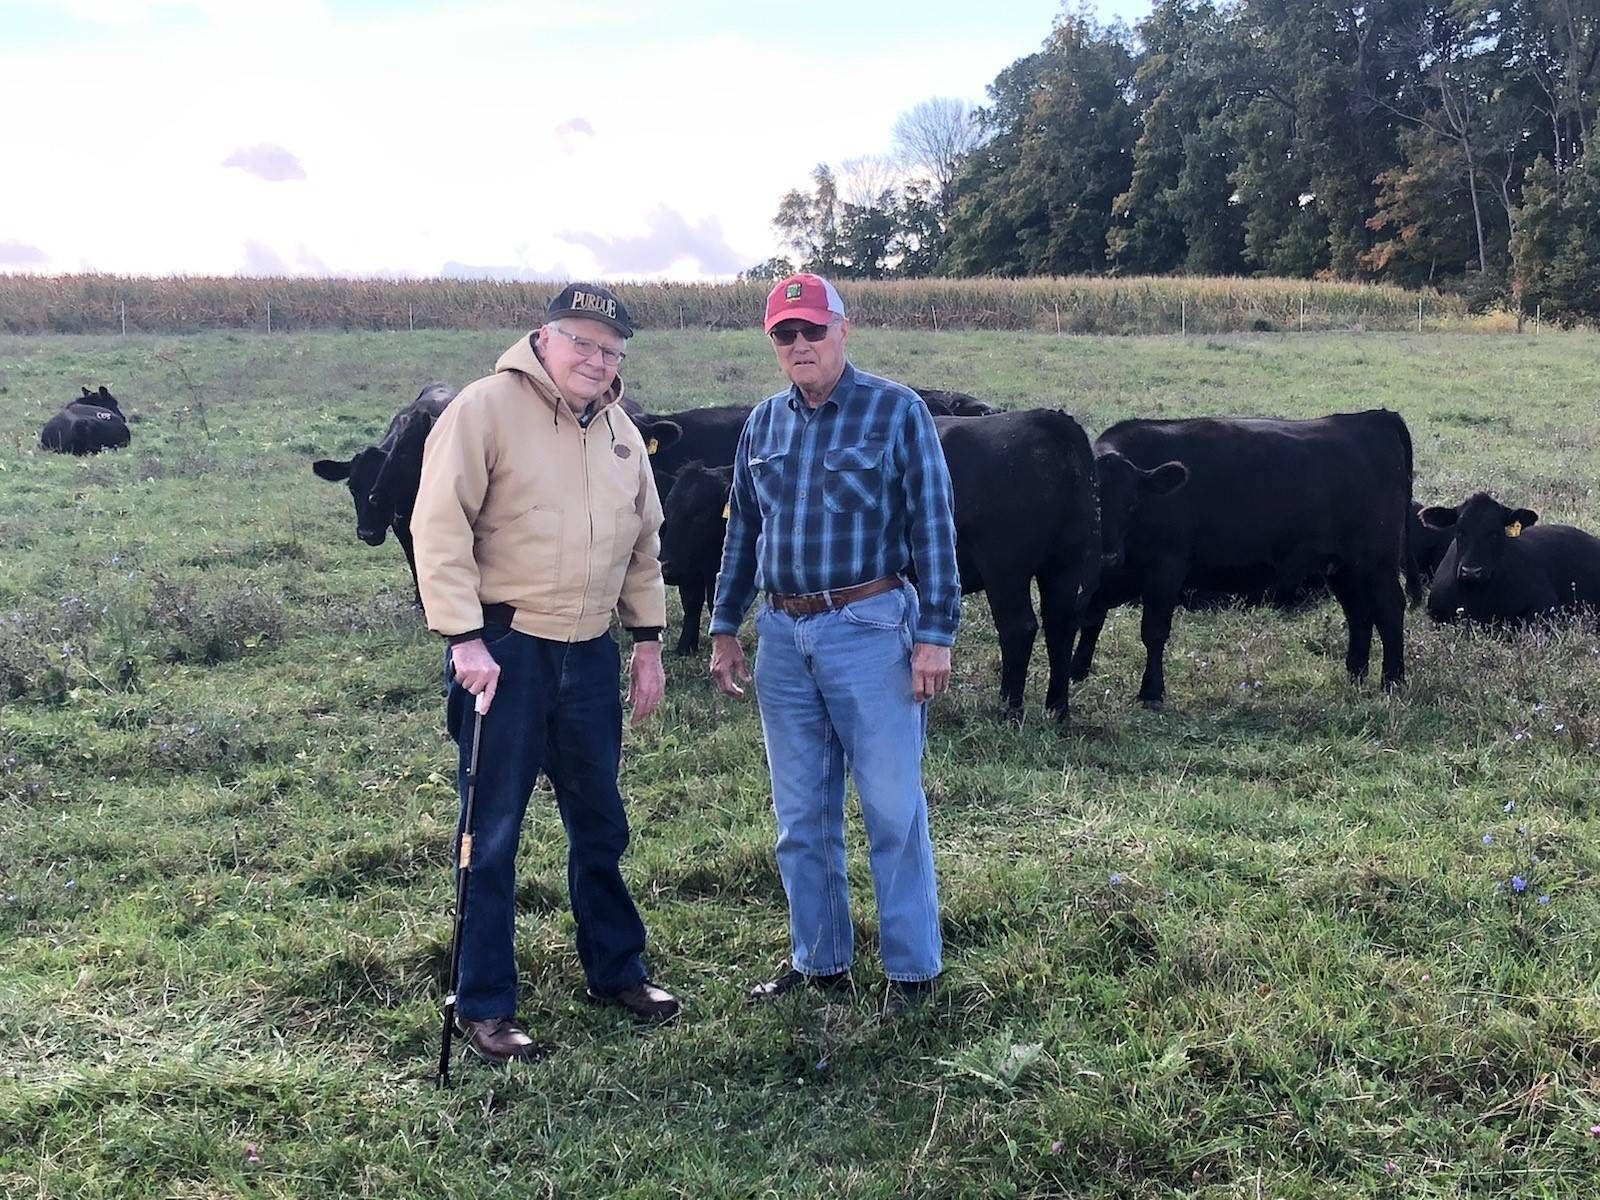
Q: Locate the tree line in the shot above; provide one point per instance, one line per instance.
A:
(1415, 142)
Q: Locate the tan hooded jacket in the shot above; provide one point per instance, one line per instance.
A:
(520, 505)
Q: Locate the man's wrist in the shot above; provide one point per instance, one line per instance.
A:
(645, 633)
(472, 635)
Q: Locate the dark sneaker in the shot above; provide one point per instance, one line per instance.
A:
(648, 1003)
(792, 980)
(500, 1040)
(905, 995)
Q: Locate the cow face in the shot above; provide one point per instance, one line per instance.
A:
(361, 473)
(694, 523)
(1123, 484)
(1482, 527)
(101, 399)
(658, 432)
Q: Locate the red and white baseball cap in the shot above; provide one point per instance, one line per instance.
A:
(803, 298)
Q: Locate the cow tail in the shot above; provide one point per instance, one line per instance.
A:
(1408, 552)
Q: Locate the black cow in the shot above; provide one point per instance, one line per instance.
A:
(1504, 568)
(705, 435)
(1268, 503)
(695, 521)
(954, 404)
(383, 478)
(87, 425)
(1026, 510)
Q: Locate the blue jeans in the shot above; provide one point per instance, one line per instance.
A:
(835, 691)
(557, 708)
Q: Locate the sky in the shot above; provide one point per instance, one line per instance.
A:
(621, 139)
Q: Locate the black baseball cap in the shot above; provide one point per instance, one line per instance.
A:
(591, 301)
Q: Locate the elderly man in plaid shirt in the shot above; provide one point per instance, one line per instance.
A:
(840, 494)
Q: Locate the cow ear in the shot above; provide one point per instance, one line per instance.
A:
(331, 469)
(1436, 516)
(87, 394)
(104, 395)
(663, 434)
(1165, 479)
(724, 476)
(1523, 517)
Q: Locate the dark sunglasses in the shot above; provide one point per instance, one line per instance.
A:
(812, 333)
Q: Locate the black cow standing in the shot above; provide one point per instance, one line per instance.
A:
(383, 478)
(1267, 504)
(87, 425)
(1504, 568)
(694, 524)
(1026, 509)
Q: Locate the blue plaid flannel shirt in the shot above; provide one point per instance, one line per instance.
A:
(849, 492)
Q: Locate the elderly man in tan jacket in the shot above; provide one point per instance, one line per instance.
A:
(536, 519)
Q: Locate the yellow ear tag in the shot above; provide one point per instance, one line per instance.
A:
(727, 510)
(1514, 529)
(652, 447)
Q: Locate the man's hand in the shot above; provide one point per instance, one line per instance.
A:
(727, 663)
(930, 671)
(476, 670)
(647, 680)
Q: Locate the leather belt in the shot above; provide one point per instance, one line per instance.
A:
(815, 602)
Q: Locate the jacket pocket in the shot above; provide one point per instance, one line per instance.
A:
(523, 559)
(766, 476)
(626, 526)
(853, 477)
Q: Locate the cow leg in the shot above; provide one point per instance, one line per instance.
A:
(402, 534)
(1353, 590)
(693, 597)
(1155, 627)
(1058, 609)
(1389, 609)
(1094, 620)
(1011, 605)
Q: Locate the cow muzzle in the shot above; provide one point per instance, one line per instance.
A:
(373, 537)
(1466, 574)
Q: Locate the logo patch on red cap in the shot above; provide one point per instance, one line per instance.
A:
(792, 292)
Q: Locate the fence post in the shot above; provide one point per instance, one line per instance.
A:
(680, 318)
(934, 311)
(269, 314)
(1419, 314)
(124, 318)
(1183, 317)
(410, 324)
(1538, 313)
(1058, 316)
(1302, 314)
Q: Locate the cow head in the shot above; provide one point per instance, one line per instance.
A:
(693, 523)
(1482, 527)
(100, 399)
(1123, 484)
(361, 473)
(658, 432)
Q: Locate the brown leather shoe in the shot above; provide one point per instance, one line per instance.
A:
(792, 980)
(644, 1000)
(500, 1040)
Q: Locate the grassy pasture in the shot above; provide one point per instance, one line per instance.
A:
(1263, 944)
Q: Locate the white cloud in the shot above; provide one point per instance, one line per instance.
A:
(20, 254)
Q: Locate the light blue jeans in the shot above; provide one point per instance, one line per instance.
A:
(835, 692)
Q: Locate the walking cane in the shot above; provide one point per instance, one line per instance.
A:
(463, 874)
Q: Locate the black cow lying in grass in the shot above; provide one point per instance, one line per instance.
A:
(1268, 504)
(1505, 568)
(383, 478)
(954, 404)
(87, 425)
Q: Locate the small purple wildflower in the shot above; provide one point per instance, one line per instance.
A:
(1116, 879)
(1544, 899)
(1518, 884)
(1488, 839)
(1511, 806)
(1391, 1167)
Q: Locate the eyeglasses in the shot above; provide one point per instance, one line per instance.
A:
(588, 348)
(785, 335)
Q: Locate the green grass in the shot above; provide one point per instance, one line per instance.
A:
(1253, 946)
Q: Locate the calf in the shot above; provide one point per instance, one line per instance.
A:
(1504, 568)
(1026, 510)
(383, 478)
(1268, 504)
(87, 425)
(694, 523)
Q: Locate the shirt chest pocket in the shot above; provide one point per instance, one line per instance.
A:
(853, 477)
(766, 477)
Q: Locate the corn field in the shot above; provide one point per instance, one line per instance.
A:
(1154, 304)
